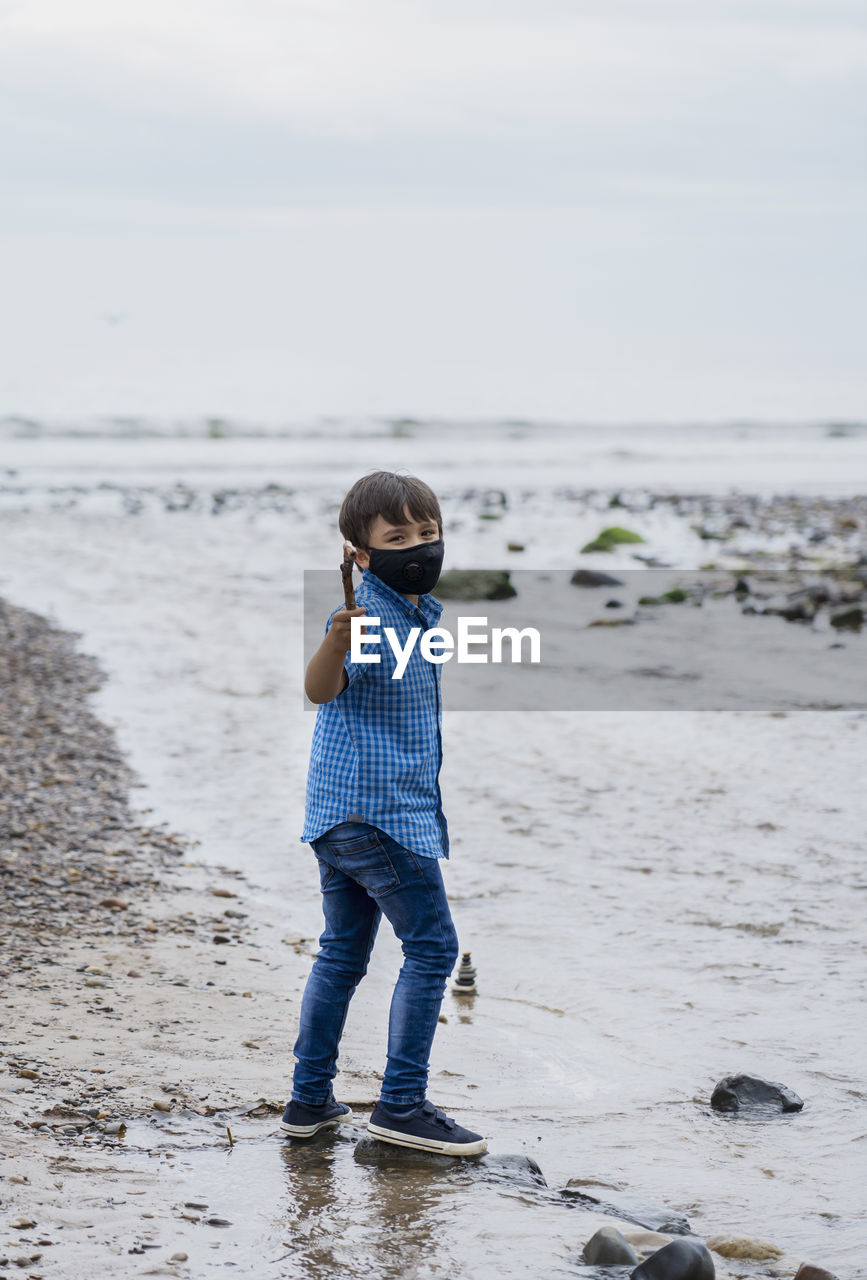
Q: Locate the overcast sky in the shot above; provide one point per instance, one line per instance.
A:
(614, 211)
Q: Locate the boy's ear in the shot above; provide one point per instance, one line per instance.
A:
(362, 559)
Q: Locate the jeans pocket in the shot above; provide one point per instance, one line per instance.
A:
(361, 855)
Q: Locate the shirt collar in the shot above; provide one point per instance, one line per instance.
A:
(428, 605)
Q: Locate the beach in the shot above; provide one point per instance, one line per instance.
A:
(653, 900)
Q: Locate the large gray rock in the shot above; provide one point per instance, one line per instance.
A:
(753, 1094)
(608, 1249)
(680, 1260)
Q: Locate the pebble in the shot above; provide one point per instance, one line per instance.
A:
(806, 1271)
(65, 787)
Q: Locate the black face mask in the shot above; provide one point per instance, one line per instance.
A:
(408, 570)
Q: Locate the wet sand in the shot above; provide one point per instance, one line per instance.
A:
(137, 993)
(145, 1064)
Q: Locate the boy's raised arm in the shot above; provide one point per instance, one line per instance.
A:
(326, 676)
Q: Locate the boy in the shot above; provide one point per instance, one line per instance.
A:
(374, 819)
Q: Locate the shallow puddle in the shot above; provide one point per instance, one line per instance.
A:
(342, 1204)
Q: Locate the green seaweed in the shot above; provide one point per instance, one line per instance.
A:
(608, 539)
(675, 596)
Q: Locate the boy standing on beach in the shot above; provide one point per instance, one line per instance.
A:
(374, 819)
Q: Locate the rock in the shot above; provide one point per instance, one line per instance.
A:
(161, 1105)
(608, 1248)
(22, 1224)
(752, 1093)
(594, 578)
(648, 1217)
(223, 893)
(371, 1151)
(676, 595)
(513, 1169)
(818, 592)
(215, 1221)
(850, 619)
(514, 546)
(494, 498)
(801, 609)
(680, 1260)
(744, 1247)
(475, 584)
(510, 1169)
(709, 535)
(609, 538)
(806, 1271)
(643, 1242)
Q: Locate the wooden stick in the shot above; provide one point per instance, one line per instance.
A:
(346, 573)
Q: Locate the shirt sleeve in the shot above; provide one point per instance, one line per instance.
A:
(354, 670)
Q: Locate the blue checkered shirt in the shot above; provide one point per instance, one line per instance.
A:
(377, 747)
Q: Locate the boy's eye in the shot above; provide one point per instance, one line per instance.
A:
(395, 537)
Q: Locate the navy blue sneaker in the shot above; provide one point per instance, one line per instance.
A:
(302, 1121)
(425, 1128)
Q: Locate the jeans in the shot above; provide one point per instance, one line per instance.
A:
(364, 875)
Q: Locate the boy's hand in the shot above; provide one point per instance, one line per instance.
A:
(339, 637)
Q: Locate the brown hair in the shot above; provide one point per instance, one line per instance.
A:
(386, 494)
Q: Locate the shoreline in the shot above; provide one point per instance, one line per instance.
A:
(139, 1047)
(131, 976)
